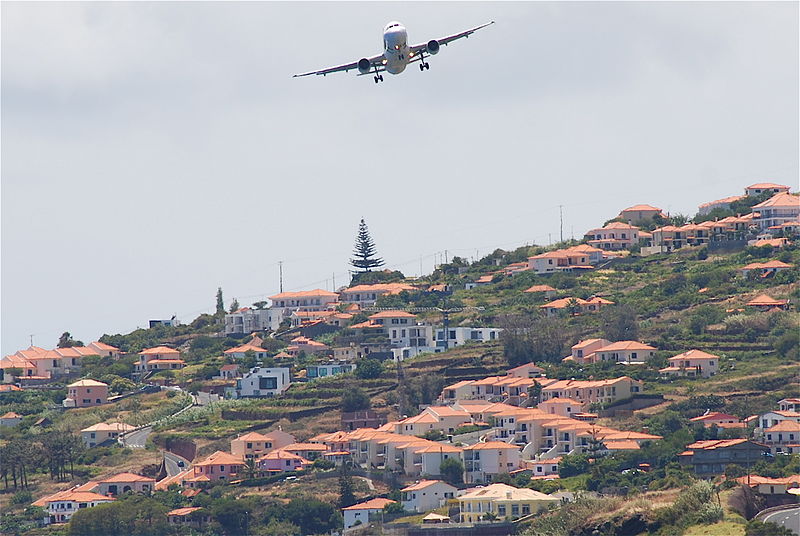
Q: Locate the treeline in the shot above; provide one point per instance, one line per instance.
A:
(55, 452)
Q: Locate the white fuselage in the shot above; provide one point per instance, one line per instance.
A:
(395, 48)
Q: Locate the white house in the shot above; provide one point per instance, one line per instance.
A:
(247, 320)
(459, 335)
(358, 514)
(261, 382)
(427, 495)
(62, 505)
(328, 369)
(285, 303)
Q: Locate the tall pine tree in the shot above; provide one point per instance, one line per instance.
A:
(364, 254)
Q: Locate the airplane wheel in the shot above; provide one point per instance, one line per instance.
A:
(380, 77)
(428, 66)
(421, 66)
(376, 79)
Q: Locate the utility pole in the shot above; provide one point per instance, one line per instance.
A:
(31, 339)
(333, 278)
(280, 274)
(561, 222)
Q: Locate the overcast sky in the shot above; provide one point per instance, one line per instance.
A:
(152, 152)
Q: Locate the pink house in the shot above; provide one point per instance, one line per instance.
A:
(219, 466)
(159, 358)
(614, 236)
(280, 460)
(86, 393)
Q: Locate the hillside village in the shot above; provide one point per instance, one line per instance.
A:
(641, 380)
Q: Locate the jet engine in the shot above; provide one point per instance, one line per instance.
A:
(364, 66)
(432, 46)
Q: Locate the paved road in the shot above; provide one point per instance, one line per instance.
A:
(137, 439)
(788, 518)
(172, 463)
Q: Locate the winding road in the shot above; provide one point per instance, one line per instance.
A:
(137, 439)
(789, 518)
(173, 462)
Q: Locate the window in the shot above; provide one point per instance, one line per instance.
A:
(526, 509)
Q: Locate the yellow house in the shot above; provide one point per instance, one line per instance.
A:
(501, 501)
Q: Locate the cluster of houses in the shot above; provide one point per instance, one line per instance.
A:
(36, 365)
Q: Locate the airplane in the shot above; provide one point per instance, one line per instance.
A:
(396, 53)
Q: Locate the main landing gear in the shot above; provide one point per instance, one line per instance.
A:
(378, 78)
(422, 63)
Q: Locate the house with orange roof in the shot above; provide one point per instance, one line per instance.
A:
(10, 419)
(281, 461)
(563, 407)
(627, 352)
(570, 259)
(254, 444)
(583, 351)
(692, 363)
(503, 502)
(526, 370)
(575, 305)
(8, 387)
(218, 466)
(359, 514)
(640, 213)
(784, 437)
(764, 302)
(484, 460)
(711, 457)
(545, 290)
(309, 451)
(786, 229)
(765, 269)
(541, 468)
(781, 208)
(61, 506)
(104, 350)
(124, 483)
(15, 368)
(593, 391)
(286, 303)
(765, 187)
(442, 418)
(240, 352)
(86, 393)
(770, 486)
(99, 433)
(762, 241)
(367, 295)
(159, 358)
(723, 203)
(194, 517)
(614, 236)
(426, 495)
(306, 345)
(716, 418)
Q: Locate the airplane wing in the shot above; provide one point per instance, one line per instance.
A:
(450, 38)
(374, 61)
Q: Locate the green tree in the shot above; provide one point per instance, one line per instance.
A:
(234, 305)
(347, 495)
(452, 471)
(368, 369)
(66, 341)
(313, 516)
(220, 303)
(364, 255)
(260, 305)
(620, 323)
(355, 399)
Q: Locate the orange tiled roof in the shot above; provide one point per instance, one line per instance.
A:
(782, 199)
(372, 504)
(540, 288)
(785, 426)
(87, 383)
(159, 350)
(765, 300)
(625, 345)
(642, 208)
(317, 292)
(693, 354)
(220, 457)
(127, 477)
(180, 512)
(422, 484)
(392, 314)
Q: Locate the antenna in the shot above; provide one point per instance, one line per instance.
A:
(280, 272)
(31, 339)
(333, 275)
(561, 222)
